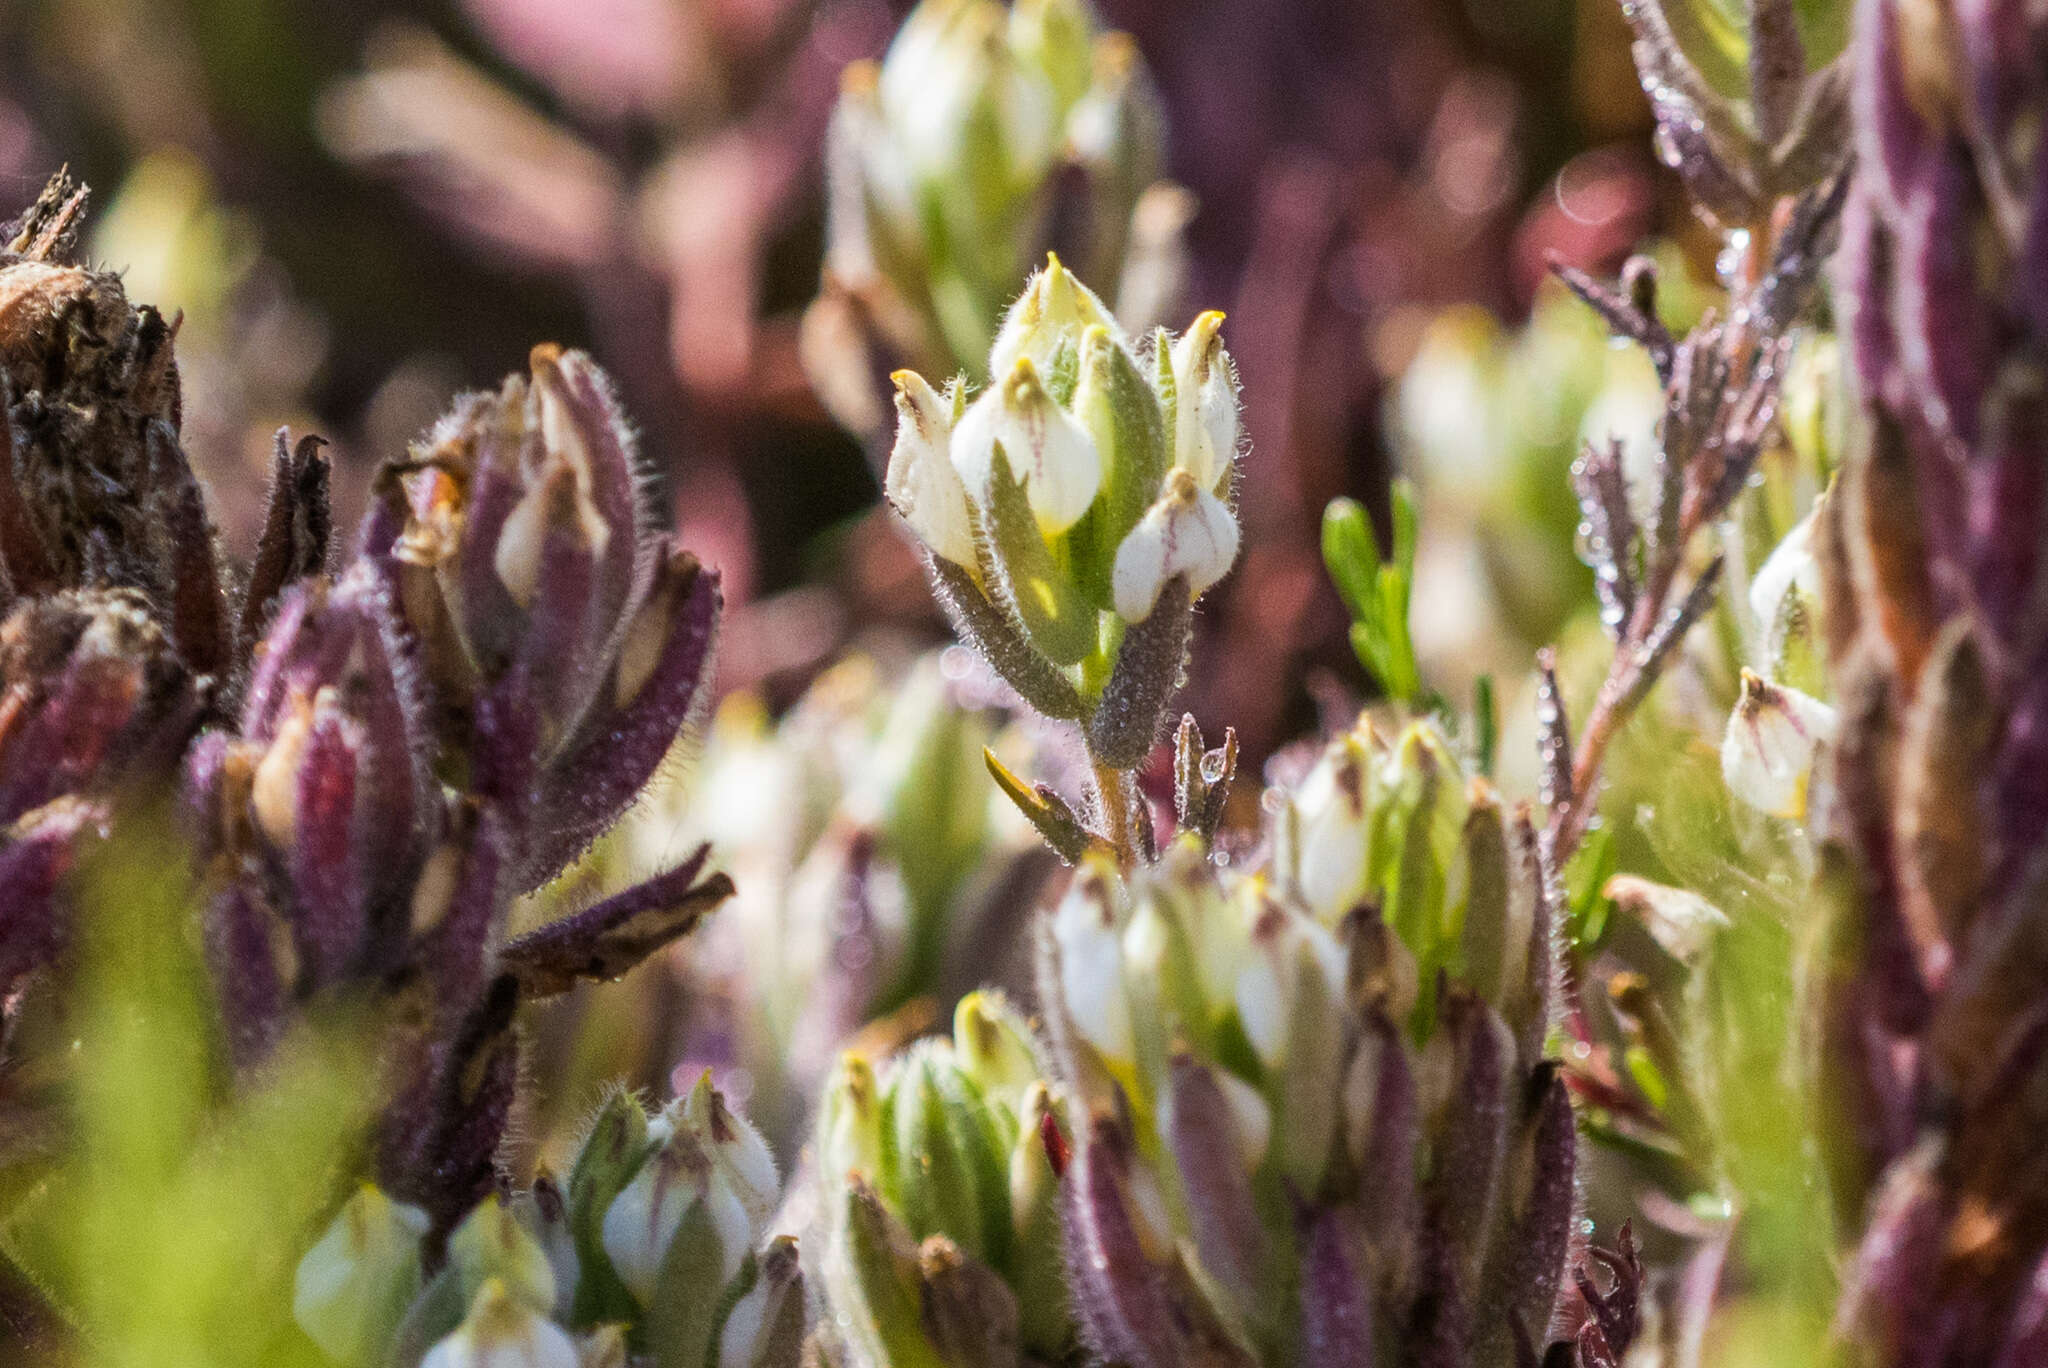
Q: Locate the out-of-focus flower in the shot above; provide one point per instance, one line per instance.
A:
(662, 1228)
(988, 135)
(355, 1284)
(502, 1331)
(1361, 1027)
(1775, 737)
(875, 865)
(941, 1177)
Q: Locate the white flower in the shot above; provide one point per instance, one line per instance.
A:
(1204, 403)
(1789, 569)
(1774, 736)
(737, 1148)
(1285, 946)
(1047, 449)
(643, 1220)
(922, 483)
(1323, 834)
(1054, 308)
(950, 64)
(1187, 532)
(1092, 964)
(353, 1287)
(501, 1331)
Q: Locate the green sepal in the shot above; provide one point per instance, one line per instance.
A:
(616, 1147)
(880, 1299)
(1057, 617)
(1120, 410)
(680, 1327)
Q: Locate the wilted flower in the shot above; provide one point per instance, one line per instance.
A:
(1931, 1025)
(984, 132)
(1360, 1027)
(941, 1177)
(567, 637)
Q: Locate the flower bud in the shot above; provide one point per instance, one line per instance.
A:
(1054, 311)
(922, 484)
(994, 1049)
(1204, 404)
(1773, 738)
(502, 1331)
(353, 1286)
(1079, 511)
(684, 1177)
(974, 123)
(1280, 1043)
(1324, 834)
(491, 1243)
(1091, 973)
(1045, 450)
(1189, 533)
(616, 1148)
(566, 636)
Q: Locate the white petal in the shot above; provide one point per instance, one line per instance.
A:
(644, 1218)
(1188, 532)
(743, 1326)
(1092, 967)
(737, 1148)
(921, 482)
(1205, 403)
(1324, 842)
(1047, 449)
(1773, 738)
(503, 1332)
(1254, 1119)
(1790, 568)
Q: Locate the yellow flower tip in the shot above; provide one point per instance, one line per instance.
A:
(1115, 56)
(544, 356)
(860, 79)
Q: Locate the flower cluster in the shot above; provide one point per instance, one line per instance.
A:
(988, 135)
(658, 1246)
(1318, 1124)
(877, 875)
(393, 750)
(1077, 507)
(941, 1226)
